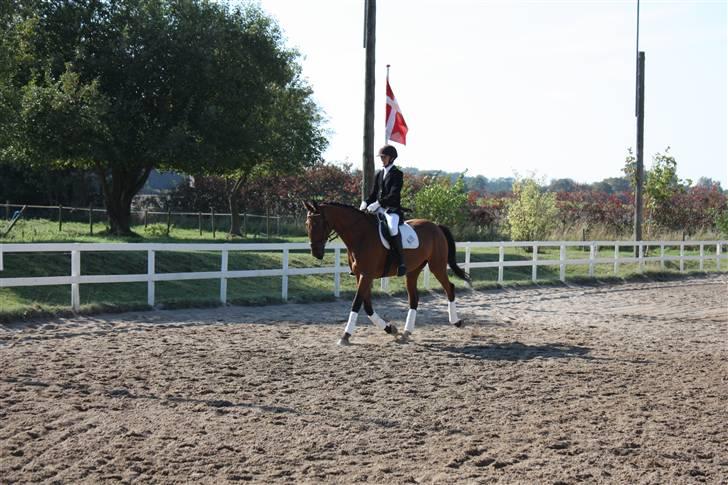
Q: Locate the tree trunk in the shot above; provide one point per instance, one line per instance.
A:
(119, 189)
(234, 200)
(119, 215)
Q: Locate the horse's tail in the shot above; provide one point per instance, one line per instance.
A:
(451, 256)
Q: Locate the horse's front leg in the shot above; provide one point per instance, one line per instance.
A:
(364, 295)
(414, 300)
(374, 317)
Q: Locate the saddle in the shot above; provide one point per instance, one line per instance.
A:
(409, 236)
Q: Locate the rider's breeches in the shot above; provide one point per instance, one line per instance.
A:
(392, 221)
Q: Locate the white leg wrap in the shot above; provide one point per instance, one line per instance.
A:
(351, 324)
(409, 324)
(452, 312)
(377, 320)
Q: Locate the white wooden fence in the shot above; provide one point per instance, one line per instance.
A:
(224, 274)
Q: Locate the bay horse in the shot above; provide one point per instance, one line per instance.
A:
(368, 258)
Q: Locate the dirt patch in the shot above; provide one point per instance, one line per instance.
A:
(623, 383)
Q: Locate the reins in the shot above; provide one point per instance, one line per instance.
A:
(333, 233)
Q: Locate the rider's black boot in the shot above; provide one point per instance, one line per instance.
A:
(399, 252)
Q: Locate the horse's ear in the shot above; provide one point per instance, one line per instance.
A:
(315, 205)
(308, 206)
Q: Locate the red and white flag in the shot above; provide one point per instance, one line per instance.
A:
(396, 128)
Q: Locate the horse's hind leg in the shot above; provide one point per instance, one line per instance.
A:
(441, 275)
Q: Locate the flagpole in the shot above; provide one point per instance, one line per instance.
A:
(385, 111)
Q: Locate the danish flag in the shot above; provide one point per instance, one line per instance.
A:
(396, 128)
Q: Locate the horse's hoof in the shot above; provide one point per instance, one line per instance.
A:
(344, 341)
(405, 337)
(391, 329)
(459, 324)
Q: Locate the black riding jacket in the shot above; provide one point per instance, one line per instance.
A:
(387, 190)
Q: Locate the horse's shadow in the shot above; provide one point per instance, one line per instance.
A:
(513, 351)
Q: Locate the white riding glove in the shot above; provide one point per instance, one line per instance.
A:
(363, 205)
(373, 206)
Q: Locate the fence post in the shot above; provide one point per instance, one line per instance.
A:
(337, 274)
(592, 252)
(199, 221)
(426, 277)
(146, 217)
(284, 286)
(60, 218)
(718, 248)
(75, 274)
(212, 221)
(384, 285)
(150, 276)
(534, 265)
(501, 252)
(641, 256)
(467, 259)
(278, 226)
(702, 255)
(91, 219)
(662, 256)
(223, 279)
(616, 259)
(245, 224)
(562, 263)
(682, 257)
(169, 219)
(267, 222)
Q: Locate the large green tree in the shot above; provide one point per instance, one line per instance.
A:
(289, 140)
(122, 87)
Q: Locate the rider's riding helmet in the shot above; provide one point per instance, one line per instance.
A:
(390, 151)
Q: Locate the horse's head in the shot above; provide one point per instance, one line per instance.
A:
(318, 229)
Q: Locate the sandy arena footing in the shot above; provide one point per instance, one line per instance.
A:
(623, 383)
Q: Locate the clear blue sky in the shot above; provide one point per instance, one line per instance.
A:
(504, 87)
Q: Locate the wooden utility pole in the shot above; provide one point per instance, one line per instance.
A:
(640, 175)
(370, 22)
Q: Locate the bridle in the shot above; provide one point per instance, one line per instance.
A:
(329, 232)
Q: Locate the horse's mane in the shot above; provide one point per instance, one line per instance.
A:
(339, 204)
(367, 216)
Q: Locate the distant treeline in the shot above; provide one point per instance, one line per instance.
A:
(485, 185)
(73, 187)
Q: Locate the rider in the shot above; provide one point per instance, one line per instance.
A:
(385, 199)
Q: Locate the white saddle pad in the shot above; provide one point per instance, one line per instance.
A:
(409, 237)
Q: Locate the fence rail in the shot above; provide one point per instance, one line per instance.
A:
(224, 274)
(209, 221)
